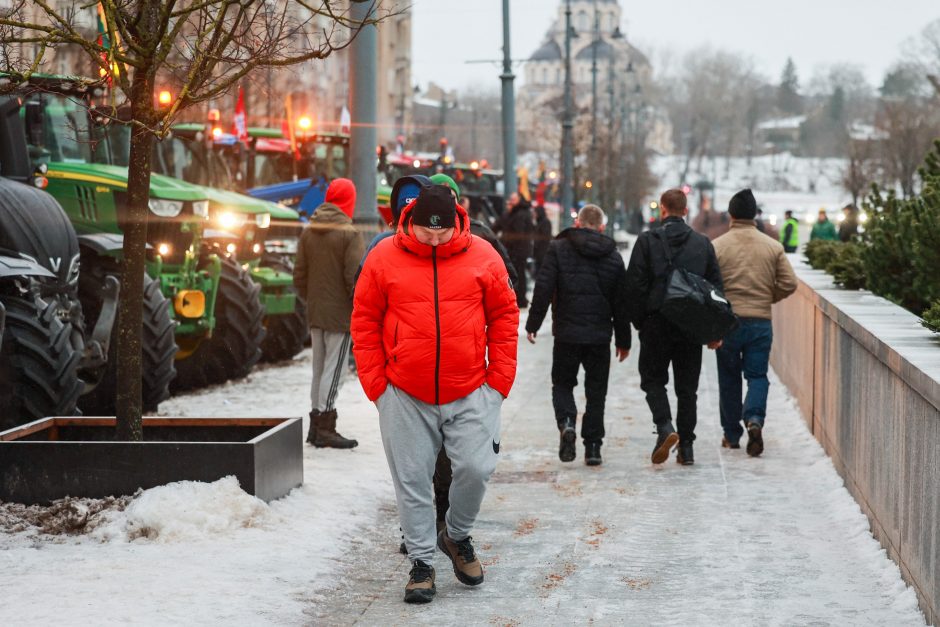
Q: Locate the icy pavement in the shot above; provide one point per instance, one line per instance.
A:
(775, 540)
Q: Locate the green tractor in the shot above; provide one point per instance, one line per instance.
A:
(240, 228)
(216, 314)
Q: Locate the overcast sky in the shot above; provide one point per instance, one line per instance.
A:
(447, 33)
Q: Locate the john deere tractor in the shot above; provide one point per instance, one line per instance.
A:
(213, 303)
(239, 230)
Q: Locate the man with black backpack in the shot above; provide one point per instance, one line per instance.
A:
(655, 255)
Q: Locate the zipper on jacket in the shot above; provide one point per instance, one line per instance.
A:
(395, 344)
(437, 325)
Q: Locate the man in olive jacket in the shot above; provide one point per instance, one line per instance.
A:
(325, 276)
(756, 274)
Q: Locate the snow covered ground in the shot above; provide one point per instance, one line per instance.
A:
(776, 540)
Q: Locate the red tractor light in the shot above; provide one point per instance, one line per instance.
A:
(165, 97)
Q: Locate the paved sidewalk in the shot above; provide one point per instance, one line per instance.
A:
(775, 540)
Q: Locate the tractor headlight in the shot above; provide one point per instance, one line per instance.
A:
(263, 220)
(230, 220)
(165, 208)
(201, 209)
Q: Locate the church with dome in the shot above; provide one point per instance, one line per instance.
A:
(596, 25)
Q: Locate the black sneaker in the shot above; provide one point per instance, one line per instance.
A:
(665, 442)
(592, 454)
(685, 456)
(420, 588)
(567, 438)
(755, 439)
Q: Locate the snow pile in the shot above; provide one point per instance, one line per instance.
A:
(187, 510)
(176, 512)
(64, 517)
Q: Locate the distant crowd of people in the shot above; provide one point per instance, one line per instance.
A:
(431, 309)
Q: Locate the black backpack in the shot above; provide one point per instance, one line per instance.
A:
(690, 302)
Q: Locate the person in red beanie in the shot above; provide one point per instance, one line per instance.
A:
(327, 259)
(435, 328)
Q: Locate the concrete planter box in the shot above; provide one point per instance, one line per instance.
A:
(56, 457)
(866, 376)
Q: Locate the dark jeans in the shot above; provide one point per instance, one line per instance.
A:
(566, 359)
(790, 249)
(661, 344)
(745, 351)
(521, 265)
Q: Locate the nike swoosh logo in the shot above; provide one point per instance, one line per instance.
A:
(715, 296)
(496, 447)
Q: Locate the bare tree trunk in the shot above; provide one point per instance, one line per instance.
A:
(134, 226)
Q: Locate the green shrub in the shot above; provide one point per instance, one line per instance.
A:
(820, 253)
(847, 268)
(901, 252)
(932, 317)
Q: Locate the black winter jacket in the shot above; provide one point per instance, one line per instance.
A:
(480, 229)
(543, 237)
(515, 229)
(582, 277)
(648, 270)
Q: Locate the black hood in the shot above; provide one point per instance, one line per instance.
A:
(589, 242)
(33, 224)
(676, 230)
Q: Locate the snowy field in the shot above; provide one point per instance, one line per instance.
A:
(780, 182)
(777, 540)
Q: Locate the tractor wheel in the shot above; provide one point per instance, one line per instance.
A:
(158, 346)
(286, 333)
(235, 345)
(38, 366)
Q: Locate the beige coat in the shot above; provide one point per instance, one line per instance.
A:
(328, 256)
(754, 269)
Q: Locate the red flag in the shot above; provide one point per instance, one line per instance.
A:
(240, 124)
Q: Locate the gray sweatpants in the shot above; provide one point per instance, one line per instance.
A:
(329, 349)
(412, 433)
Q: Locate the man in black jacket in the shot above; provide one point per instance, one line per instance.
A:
(661, 342)
(515, 228)
(582, 277)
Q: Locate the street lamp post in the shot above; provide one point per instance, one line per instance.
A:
(363, 62)
(509, 111)
(594, 43)
(567, 147)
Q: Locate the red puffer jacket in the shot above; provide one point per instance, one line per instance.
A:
(436, 322)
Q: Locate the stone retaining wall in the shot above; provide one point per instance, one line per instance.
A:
(866, 376)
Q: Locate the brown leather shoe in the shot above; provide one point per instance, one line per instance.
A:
(467, 567)
(420, 588)
(325, 435)
(312, 431)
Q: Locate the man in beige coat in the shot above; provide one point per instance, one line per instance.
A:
(756, 273)
(328, 256)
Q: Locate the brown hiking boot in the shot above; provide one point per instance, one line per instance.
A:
(467, 567)
(325, 435)
(420, 588)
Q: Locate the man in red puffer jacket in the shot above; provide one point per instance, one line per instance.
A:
(435, 328)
